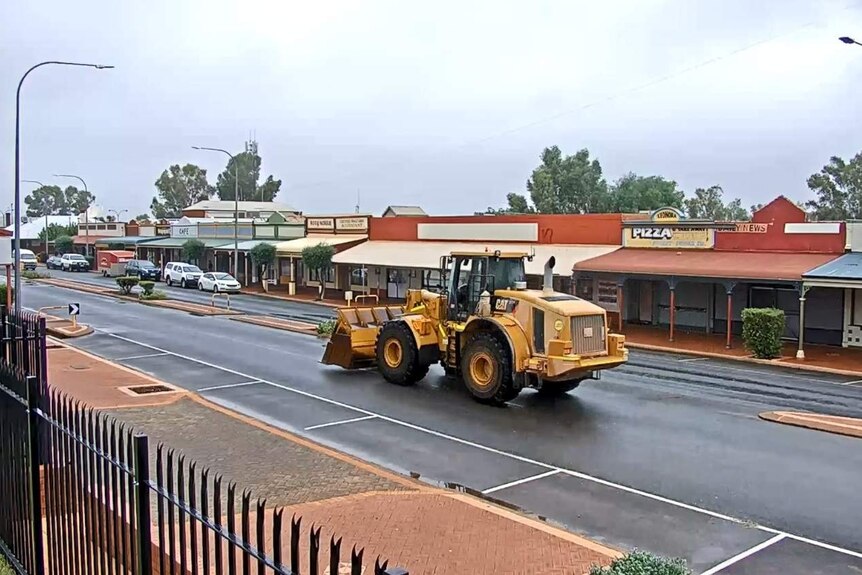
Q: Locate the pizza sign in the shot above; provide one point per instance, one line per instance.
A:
(652, 233)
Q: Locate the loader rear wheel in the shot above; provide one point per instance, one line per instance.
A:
(397, 356)
(487, 370)
(558, 388)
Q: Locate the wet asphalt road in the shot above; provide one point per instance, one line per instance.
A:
(245, 303)
(665, 453)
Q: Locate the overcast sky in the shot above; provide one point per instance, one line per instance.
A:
(445, 104)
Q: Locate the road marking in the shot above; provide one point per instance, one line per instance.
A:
(521, 481)
(509, 455)
(131, 357)
(854, 382)
(693, 359)
(744, 554)
(228, 386)
(342, 422)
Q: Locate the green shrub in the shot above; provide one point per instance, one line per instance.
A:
(4, 567)
(762, 329)
(153, 295)
(326, 327)
(147, 286)
(64, 244)
(126, 284)
(3, 288)
(642, 563)
(33, 275)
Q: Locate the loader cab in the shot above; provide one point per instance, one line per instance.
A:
(468, 275)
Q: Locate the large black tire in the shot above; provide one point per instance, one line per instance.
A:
(397, 355)
(486, 367)
(558, 388)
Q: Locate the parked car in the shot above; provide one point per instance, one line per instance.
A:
(187, 275)
(74, 262)
(217, 282)
(144, 269)
(28, 260)
(54, 263)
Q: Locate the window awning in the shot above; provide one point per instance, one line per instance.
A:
(295, 247)
(125, 240)
(178, 242)
(81, 240)
(706, 264)
(245, 245)
(427, 254)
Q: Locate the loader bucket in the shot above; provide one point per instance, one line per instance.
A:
(352, 345)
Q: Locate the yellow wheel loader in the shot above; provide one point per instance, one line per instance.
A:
(484, 326)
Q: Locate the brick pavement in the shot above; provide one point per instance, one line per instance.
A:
(424, 528)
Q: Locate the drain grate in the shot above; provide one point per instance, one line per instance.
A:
(146, 389)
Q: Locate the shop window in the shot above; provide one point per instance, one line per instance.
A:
(585, 288)
(328, 275)
(432, 279)
(607, 293)
(359, 276)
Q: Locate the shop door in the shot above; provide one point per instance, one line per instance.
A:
(785, 299)
(645, 302)
(396, 284)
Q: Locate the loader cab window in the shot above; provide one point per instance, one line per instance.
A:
(469, 277)
(506, 272)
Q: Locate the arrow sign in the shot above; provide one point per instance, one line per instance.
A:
(74, 308)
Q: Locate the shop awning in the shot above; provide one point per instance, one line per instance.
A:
(842, 272)
(427, 254)
(125, 240)
(80, 240)
(706, 264)
(295, 247)
(178, 242)
(245, 245)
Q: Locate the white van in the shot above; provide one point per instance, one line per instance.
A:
(28, 260)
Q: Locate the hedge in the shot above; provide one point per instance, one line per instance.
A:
(126, 283)
(762, 329)
(642, 563)
(147, 286)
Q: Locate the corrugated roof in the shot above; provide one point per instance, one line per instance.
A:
(247, 245)
(706, 264)
(178, 242)
(293, 247)
(426, 255)
(846, 267)
(127, 240)
(31, 230)
(405, 211)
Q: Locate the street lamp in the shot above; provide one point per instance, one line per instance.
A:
(117, 214)
(849, 40)
(235, 207)
(46, 213)
(18, 167)
(86, 211)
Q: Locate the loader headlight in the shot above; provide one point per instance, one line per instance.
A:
(558, 325)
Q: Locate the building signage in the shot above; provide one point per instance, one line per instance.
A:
(162, 230)
(188, 231)
(320, 224)
(750, 228)
(359, 225)
(667, 228)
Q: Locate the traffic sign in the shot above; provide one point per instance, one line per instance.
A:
(74, 308)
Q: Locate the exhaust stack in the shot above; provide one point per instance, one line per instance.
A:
(548, 287)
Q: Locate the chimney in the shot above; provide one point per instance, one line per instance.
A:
(548, 287)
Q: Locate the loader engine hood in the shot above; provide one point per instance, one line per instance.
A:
(555, 302)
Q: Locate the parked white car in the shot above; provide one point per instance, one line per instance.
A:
(74, 262)
(218, 282)
(187, 275)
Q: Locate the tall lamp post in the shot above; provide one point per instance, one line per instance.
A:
(86, 211)
(849, 40)
(117, 214)
(18, 167)
(41, 185)
(235, 207)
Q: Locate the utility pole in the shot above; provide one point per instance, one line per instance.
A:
(235, 207)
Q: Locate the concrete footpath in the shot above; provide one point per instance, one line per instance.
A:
(422, 528)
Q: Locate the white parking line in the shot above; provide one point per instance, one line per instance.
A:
(342, 422)
(131, 357)
(506, 454)
(744, 554)
(521, 481)
(854, 382)
(690, 359)
(229, 385)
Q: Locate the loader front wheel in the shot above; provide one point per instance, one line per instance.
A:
(397, 356)
(487, 370)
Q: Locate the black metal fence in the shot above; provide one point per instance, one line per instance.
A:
(92, 505)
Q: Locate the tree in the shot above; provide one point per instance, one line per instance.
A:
(632, 193)
(45, 201)
(77, 201)
(142, 218)
(248, 163)
(838, 187)
(193, 250)
(518, 204)
(179, 187)
(63, 244)
(54, 231)
(319, 258)
(568, 185)
(263, 256)
(708, 204)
